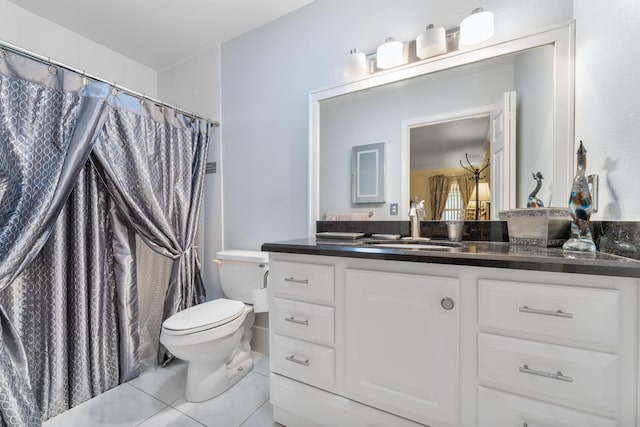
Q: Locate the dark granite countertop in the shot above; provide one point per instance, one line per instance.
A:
(479, 254)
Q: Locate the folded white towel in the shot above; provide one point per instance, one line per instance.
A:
(357, 216)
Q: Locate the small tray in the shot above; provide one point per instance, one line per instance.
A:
(339, 235)
(385, 236)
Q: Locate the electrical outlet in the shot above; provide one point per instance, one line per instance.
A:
(393, 209)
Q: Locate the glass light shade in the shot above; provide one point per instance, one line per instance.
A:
(431, 42)
(355, 64)
(476, 27)
(389, 54)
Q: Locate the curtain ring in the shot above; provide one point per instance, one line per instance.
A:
(114, 89)
(85, 79)
(142, 99)
(51, 69)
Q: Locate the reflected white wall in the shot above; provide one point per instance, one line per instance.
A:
(534, 133)
(377, 116)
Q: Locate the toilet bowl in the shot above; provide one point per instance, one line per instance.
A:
(215, 337)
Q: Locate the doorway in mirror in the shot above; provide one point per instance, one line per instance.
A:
(480, 136)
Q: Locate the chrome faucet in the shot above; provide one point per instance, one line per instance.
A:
(416, 213)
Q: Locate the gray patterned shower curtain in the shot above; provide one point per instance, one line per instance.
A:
(48, 123)
(64, 303)
(73, 297)
(153, 163)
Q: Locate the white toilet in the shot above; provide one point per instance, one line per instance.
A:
(214, 337)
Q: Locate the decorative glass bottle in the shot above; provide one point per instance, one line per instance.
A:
(580, 207)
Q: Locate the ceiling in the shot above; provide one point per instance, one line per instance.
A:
(159, 33)
(444, 145)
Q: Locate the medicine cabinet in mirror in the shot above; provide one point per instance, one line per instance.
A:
(532, 76)
(367, 173)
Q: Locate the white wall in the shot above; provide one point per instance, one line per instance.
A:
(269, 72)
(608, 101)
(194, 85)
(32, 32)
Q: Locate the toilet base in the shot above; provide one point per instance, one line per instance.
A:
(205, 380)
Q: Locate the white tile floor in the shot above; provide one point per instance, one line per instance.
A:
(157, 399)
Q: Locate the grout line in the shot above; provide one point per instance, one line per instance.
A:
(155, 397)
(257, 409)
(154, 414)
(171, 407)
(149, 394)
(142, 391)
(175, 400)
(168, 405)
(188, 416)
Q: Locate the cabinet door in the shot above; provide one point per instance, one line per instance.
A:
(401, 340)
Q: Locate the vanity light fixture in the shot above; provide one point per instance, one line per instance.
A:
(476, 27)
(355, 64)
(389, 54)
(431, 42)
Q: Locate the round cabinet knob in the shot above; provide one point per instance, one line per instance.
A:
(447, 303)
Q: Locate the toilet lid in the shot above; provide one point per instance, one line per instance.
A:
(204, 316)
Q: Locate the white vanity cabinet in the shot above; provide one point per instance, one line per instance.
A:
(550, 345)
(302, 322)
(362, 342)
(401, 344)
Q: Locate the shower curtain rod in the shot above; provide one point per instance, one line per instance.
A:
(6, 46)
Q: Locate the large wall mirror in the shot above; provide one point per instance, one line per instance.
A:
(509, 105)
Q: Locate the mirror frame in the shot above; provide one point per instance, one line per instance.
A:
(562, 37)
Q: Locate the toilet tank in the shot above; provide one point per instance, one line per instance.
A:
(241, 272)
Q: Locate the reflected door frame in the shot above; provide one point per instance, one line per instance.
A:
(407, 125)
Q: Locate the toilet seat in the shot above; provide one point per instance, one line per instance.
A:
(203, 316)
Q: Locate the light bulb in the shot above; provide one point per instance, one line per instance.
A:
(476, 27)
(355, 64)
(431, 42)
(389, 54)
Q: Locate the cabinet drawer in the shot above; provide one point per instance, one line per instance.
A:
(303, 320)
(575, 313)
(499, 409)
(304, 361)
(297, 279)
(555, 372)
